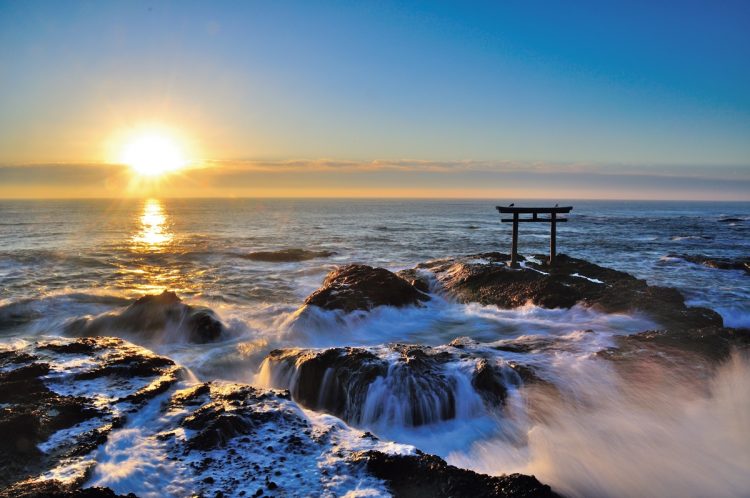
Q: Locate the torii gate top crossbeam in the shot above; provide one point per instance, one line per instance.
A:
(546, 210)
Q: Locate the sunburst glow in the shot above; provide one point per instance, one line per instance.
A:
(153, 154)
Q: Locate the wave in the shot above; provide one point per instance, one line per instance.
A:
(47, 313)
(664, 436)
(287, 255)
(439, 321)
(678, 238)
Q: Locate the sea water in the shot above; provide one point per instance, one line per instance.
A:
(665, 431)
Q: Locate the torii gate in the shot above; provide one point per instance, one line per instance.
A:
(534, 211)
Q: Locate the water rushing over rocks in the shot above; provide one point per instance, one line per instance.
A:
(399, 385)
(164, 314)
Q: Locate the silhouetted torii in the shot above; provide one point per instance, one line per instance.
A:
(535, 212)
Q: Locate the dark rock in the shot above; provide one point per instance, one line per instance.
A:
(31, 411)
(714, 343)
(84, 345)
(490, 383)
(55, 489)
(151, 315)
(224, 413)
(11, 357)
(417, 476)
(339, 380)
(216, 427)
(137, 364)
(742, 264)
(415, 279)
(287, 255)
(362, 287)
(731, 220)
(571, 281)
(340, 392)
(30, 414)
(191, 396)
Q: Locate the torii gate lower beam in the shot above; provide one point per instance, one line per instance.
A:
(553, 220)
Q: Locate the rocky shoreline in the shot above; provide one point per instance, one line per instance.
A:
(65, 401)
(225, 439)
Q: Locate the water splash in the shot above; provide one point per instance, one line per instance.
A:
(669, 436)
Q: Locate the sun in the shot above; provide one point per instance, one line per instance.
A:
(153, 153)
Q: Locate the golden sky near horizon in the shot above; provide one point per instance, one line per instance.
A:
(189, 100)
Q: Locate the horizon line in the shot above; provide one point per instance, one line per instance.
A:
(387, 198)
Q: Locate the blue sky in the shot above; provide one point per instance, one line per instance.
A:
(610, 85)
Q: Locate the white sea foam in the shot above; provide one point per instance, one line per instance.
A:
(133, 461)
(595, 280)
(607, 437)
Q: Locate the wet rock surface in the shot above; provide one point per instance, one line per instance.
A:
(717, 263)
(400, 384)
(417, 476)
(486, 279)
(287, 255)
(361, 287)
(712, 343)
(61, 398)
(74, 406)
(163, 315)
(55, 489)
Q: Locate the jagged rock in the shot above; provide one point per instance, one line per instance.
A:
(287, 255)
(227, 411)
(52, 488)
(717, 263)
(38, 399)
(30, 413)
(416, 280)
(421, 475)
(150, 315)
(362, 287)
(713, 343)
(485, 279)
(490, 382)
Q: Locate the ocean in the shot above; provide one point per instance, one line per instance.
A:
(65, 259)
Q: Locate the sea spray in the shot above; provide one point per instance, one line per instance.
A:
(669, 436)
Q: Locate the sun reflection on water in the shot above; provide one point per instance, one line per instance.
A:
(154, 231)
(152, 239)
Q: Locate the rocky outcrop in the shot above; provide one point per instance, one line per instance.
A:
(361, 287)
(69, 406)
(711, 343)
(486, 279)
(78, 388)
(420, 475)
(742, 264)
(398, 385)
(161, 315)
(287, 255)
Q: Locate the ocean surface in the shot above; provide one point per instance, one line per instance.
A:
(61, 260)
